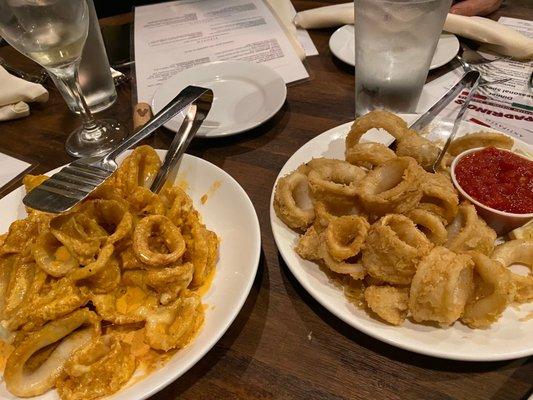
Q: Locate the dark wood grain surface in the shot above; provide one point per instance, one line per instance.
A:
(283, 344)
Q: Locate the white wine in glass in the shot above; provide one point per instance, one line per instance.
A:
(53, 33)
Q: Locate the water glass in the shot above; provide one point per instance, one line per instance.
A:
(394, 44)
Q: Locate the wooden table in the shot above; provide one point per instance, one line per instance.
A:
(283, 344)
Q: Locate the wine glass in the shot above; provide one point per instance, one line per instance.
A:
(53, 33)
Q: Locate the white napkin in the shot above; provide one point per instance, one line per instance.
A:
(501, 39)
(14, 94)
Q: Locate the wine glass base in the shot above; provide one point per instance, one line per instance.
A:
(101, 140)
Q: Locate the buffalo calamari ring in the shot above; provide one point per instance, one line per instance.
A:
(292, 201)
(173, 241)
(429, 224)
(174, 325)
(393, 187)
(202, 252)
(518, 251)
(388, 302)
(483, 308)
(137, 170)
(345, 236)
(27, 384)
(441, 286)
(480, 139)
(99, 369)
(95, 267)
(52, 257)
(393, 124)
(469, 232)
(126, 305)
(112, 215)
(106, 280)
(368, 154)
(393, 249)
(144, 202)
(170, 282)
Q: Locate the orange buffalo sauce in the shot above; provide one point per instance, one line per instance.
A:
(497, 178)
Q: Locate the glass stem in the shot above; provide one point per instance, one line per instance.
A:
(69, 76)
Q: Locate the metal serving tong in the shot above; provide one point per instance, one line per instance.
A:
(76, 181)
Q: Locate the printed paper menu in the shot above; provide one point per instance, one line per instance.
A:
(507, 107)
(171, 37)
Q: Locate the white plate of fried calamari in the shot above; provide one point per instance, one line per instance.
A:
(393, 251)
(123, 294)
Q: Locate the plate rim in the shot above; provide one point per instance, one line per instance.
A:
(335, 36)
(256, 256)
(360, 325)
(262, 69)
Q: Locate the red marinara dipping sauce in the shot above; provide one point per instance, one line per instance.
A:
(497, 178)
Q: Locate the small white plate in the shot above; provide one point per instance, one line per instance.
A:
(342, 45)
(506, 339)
(246, 95)
(229, 212)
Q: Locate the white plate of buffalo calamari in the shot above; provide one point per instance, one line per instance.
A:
(394, 251)
(124, 293)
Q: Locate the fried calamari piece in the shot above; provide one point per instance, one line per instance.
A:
(202, 251)
(388, 302)
(469, 232)
(328, 211)
(98, 369)
(138, 169)
(30, 182)
(52, 256)
(439, 196)
(480, 139)
(65, 331)
(179, 207)
(393, 249)
(173, 326)
(20, 236)
(441, 286)
(381, 119)
(308, 245)
(424, 151)
(393, 187)
(518, 251)
(369, 154)
(292, 200)
(494, 290)
(143, 202)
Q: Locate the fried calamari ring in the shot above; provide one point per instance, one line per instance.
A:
(173, 326)
(292, 201)
(469, 232)
(27, 384)
(138, 169)
(101, 368)
(393, 187)
(480, 139)
(393, 124)
(393, 249)
(179, 206)
(173, 245)
(333, 179)
(368, 154)
(441, 286)
(52, 257)
(429, 224)
(18, 283)
(388, 302)
(439, 196)
(518, 251)
(328, 211)
(345, 236)
(106, 280)
(493, 292)
(351, 266)
(421, 149)
(80, 234)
